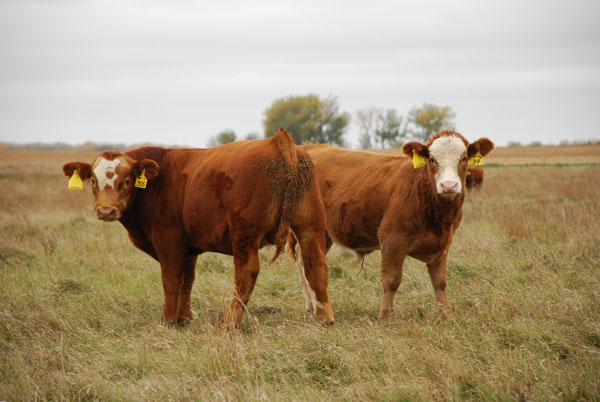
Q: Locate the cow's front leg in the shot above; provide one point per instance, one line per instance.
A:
(247, 268)
(437, 273)
(172, 274)
(184, 302)
(392, 260)
(177, 276)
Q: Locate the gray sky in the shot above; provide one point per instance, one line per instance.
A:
(179, 72)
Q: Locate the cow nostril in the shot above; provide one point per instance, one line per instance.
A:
(449, 186)
(106, 212)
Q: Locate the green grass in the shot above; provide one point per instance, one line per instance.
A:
(80, 308)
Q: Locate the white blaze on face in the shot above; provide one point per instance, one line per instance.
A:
(103, 170)
(448, 151)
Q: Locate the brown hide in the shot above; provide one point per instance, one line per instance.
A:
(231, 199)
(474, 177)
(375, 201)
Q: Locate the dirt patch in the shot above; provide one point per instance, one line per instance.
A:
(288, 182)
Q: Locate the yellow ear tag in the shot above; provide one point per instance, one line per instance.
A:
(469, 173)
(476, 160)
(75, 182)
(141, 180)
(418, 160)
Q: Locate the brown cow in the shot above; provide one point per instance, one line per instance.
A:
(403, 206)
(231, 199)
(474, 178)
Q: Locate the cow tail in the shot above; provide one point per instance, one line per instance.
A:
(292, 241)
(288, 191)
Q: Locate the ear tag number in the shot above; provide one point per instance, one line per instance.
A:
(418, 160)
(141, 181)
(476, 160)
(75, 182)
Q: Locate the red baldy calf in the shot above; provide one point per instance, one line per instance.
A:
(232, 199)
(403, 205)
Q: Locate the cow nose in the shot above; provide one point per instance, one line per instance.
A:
(449, 186)
(105, 212)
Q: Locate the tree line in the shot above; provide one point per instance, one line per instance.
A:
(310, 118)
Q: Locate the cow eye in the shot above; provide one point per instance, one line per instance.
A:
(93, 182)
(127, 182)
(464, 159)
(432, 159)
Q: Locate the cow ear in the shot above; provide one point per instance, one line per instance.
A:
(417, 147)
(84, 170)
(483, 146)
(149, 165)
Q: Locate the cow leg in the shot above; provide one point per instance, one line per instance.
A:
(184, 305)
(172, 273)
(437, 273)
(392, 259)
(247, 268)
(308, 297)
(176, 278)
(315, 274)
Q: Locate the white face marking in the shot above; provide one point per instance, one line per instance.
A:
(103, 167)
(448, 150)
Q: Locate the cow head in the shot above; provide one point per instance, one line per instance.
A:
(113, 177)
(446, 157)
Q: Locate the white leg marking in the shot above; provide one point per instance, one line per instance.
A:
(308, 297)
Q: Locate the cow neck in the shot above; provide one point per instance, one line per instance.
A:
(437, 212)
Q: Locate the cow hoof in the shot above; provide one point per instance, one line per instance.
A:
(170, 323)
(385, 315)
(184, 321)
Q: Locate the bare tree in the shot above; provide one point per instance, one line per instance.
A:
(369, 121)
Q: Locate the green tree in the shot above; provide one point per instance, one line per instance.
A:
(391, 130)
(307, 118)
(224, 137)
(378, 126)
(429, 119)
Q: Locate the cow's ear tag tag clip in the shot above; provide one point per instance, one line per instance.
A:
(476, 159)
(75, 182)
(418, 160)
(141, 181)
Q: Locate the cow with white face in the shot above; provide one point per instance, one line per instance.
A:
(402, 206)
(112, 176)
(448, 155)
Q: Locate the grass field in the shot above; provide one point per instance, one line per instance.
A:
(80, 307)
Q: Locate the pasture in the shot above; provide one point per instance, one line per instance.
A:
(80, 307)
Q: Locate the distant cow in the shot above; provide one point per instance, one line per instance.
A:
(232, 199)
(474, 178)
(403, 206)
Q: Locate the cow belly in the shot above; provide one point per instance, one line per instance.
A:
(352, 227)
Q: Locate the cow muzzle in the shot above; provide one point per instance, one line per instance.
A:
(107, 214)
(450, 189)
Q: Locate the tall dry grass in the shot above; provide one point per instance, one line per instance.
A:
(80, 307)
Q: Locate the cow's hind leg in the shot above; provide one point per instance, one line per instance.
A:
(247, 268)
(314, 277)
(309, 295)
(392, 259)
(437, 273)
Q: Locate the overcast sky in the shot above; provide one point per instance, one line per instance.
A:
(179, 72)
